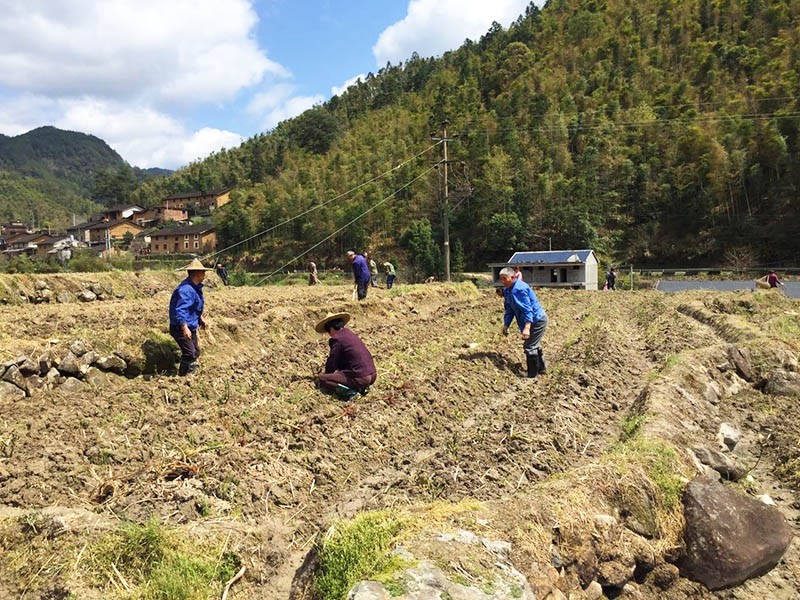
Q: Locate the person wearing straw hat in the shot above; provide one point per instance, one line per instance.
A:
(349, 369)
(186, 315)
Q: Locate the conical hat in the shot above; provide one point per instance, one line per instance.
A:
(196, 265)
(320, 327)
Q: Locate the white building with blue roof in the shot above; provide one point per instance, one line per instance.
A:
(575, 269)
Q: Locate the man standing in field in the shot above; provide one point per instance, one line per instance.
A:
(186, 315)
(360, 273)
(388, 268)
(521, 303)
(373, 270)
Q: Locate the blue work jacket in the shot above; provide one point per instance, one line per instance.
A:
(360, 269)
(521, 304)
(186, 304)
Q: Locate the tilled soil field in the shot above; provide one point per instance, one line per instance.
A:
(247, 450)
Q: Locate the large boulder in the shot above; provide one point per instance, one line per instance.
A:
(740, 359)
(111, 363)
(14, 376)
(729, 537)
(721, 463)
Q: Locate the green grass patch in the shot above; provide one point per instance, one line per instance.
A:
(630, 426)
(156, 564)
(356, 550)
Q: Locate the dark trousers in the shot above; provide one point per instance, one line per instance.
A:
(190, 351)
(389, 281)
(362, 287)
(329, 381)
(533, 343)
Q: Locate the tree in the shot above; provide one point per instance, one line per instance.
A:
(423, 253)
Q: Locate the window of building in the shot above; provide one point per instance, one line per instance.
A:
(185, 244)
(195, 236)
(197, 245)
(186, 237)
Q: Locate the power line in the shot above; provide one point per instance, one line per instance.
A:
(318, 206)
(346, 225)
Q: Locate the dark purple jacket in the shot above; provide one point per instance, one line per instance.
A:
(349, 355)
(360, 269)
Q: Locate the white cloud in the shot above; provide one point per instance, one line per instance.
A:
(338, 90)
(191, 51)
(278, 103)
(432, 27)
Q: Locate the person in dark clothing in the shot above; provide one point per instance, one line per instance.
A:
(222, 272)
(611, 279)
(349, 369)
(361, 273)
(773, 280)
(520, 303)
(186, 315)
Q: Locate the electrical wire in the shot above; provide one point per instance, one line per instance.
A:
(318, 206)
(345, 226)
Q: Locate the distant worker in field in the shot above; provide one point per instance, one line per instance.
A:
(373, 270)
(772, 279)
(313, 278)
(388, 269)
(222, 273)
(186, 315)
(517, 273)
(361, 274)
(611, 279)
(349, 369)
(521, 303)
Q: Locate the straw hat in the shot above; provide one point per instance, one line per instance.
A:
(196, 265)
(320, 327)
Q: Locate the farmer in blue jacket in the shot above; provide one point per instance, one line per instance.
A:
(521, 303)
(186, 315)
(361, 273)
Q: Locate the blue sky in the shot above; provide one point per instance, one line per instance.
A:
(166, 82)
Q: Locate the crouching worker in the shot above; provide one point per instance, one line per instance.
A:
(521, 303)
(349, 369)
(186, 315)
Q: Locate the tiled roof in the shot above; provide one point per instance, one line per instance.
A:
(188, 230)
(196, 194)
(551, 256)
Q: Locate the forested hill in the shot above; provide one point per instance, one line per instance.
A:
(657, 131)
(47, 175)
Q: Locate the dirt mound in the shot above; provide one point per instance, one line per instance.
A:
(248, 442)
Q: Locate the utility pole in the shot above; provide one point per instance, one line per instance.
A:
(445, 200)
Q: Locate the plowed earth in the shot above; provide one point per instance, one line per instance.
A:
(248, 445)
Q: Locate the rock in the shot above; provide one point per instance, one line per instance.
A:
(26, 365)
(96, 377)
(664, 575)
(87, 296)
(712, 393)
(614, 574)
(69, 365)
(13, 375)
(98, 289)
(78, 347)
(88, 359)
(63, 298)
(630, 590)
(40, 285)
(729, 537)
(53, 376)
(9, 392)
(46, 295)
(35, 384)
(783, 383)
(728, 436)
(111, 363)
(593, 591)
(72, 385)
(368, 590)
(740, 359)
(722, 464)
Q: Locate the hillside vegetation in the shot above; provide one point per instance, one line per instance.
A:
(654, 131)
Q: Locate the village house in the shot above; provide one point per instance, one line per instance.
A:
(54, 242)
(198, 202)
(104, 231)
(158, 214)
(115, 213)
(576, 269)
(195, 239)
(24, 243)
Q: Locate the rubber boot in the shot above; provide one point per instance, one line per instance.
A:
(533, 364)
(183, 368)
(345, 393)
(540, 357)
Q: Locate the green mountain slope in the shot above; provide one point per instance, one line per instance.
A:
(654, 131)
